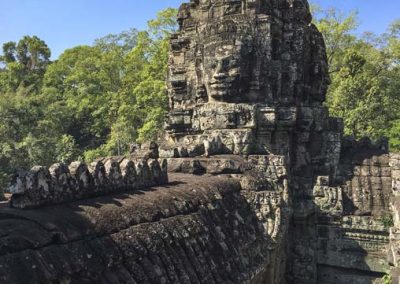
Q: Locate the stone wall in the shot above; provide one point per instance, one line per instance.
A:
(353, 239)
(394, 249)
(342, 191)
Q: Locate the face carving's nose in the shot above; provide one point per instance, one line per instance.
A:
(220, 71)
(220, 66)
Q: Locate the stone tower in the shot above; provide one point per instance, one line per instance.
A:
(245, 66)
(249, 78)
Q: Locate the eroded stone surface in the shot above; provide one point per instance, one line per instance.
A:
(394, 249)
(195, 230)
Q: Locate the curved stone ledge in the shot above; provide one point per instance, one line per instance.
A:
(194, 230)
(61, 183)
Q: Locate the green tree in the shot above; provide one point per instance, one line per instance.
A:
(93, 101)
(25, 63)
(28, 137)
(364, 73)
(115, 90)
(82, 82)
(337, 29)
(125, 40)
(141, 101)
(392, 83)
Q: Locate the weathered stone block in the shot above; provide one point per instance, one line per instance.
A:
(98, 172)
(128, 172)
(394, 161)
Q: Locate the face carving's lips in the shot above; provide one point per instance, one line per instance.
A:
(225, 81)
(220, 85)
(219, 93)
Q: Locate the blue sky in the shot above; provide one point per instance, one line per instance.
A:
(66, 23)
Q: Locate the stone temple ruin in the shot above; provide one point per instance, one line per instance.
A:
(253, 181)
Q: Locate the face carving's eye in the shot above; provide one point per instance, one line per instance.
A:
(233, 63)
(225, 62)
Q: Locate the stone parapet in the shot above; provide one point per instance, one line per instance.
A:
(61, 183)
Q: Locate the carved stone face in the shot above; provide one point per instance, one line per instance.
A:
(226, 72)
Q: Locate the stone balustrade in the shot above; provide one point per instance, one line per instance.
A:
(61, 183)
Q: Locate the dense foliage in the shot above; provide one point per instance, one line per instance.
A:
(96, 100)
(92, 101)
(365, 73)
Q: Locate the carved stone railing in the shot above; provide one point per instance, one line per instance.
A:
(61, 183)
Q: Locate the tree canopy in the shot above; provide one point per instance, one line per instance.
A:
(92, 101)
(365, 74)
